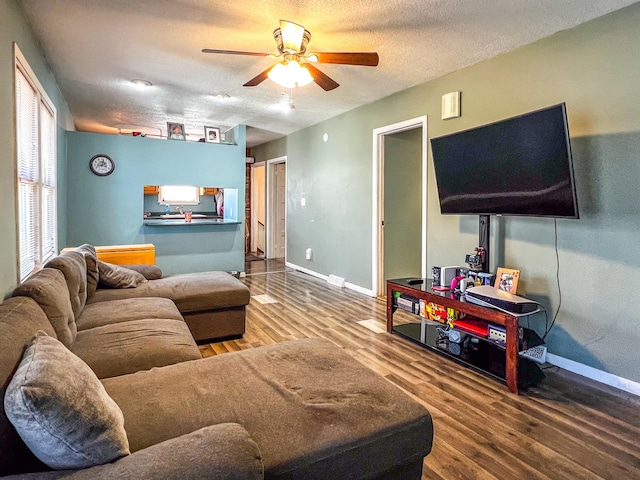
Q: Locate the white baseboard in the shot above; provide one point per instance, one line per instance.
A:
(594, 374)
(359, 289)
(350, 286)
(307, 271)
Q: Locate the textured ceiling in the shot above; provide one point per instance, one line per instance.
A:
(96, 47)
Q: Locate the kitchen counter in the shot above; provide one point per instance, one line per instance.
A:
(161, 222)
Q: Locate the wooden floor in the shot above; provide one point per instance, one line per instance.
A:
(567, 427)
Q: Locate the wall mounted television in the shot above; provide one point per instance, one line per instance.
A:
(518, 166)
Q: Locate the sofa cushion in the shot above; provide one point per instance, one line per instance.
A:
(49, 289)
(191, 292)
(91, 258)
(128, 347)
(61, 410)
(315, 412)
(74, 268)
(20, 320)
(150, 272)
(115, 276)
(118, 311)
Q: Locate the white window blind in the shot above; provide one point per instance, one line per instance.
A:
(36, 167)
(48, 187)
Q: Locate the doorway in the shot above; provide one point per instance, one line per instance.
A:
(399, 228)
(258, 208)
(276, 231)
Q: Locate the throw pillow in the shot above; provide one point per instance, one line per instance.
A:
(116, 276)
(61, 410)
(150, 272)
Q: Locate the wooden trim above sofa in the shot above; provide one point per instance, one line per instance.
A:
(144, 253)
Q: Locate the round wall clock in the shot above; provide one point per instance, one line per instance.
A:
(102, 165)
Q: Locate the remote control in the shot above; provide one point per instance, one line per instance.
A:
(537, 354)
(415, 281)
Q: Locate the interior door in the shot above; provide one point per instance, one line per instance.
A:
(401, 244)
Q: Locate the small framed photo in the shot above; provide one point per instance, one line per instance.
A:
(507, 280)
(212, 134)
(175, 131)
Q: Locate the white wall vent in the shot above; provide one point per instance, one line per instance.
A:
(335, 280)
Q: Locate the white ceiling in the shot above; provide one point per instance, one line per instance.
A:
(96, 47)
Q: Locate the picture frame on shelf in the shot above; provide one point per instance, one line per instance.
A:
(507, 280)
(212, 134)
(175, 131)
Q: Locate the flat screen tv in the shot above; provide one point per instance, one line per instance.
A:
(518, 166)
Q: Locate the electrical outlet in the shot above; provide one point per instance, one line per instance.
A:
(303, 202)
(308, 254)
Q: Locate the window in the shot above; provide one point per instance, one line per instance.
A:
(36, 170)
(178, 195)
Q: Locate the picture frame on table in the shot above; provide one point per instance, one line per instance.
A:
(175, 131)
(212, 134)
(507, 280)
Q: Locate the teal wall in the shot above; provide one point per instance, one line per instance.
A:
(403, 204)
(108, 210)
(13, 28)
(594, 68)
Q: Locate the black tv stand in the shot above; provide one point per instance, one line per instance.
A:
(500, 362)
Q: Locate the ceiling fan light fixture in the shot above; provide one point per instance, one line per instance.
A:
(291, 37)
(290, 75)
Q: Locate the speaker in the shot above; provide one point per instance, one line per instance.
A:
(447, 274)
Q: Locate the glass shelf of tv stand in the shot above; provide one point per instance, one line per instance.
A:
(478, 353)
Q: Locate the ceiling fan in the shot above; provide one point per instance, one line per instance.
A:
(296, 69)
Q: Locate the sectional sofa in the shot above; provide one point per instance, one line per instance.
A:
(295, 410)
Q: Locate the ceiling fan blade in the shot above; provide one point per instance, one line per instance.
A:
(324, 81)
(368, 59)
(235, 52)
(258, 79)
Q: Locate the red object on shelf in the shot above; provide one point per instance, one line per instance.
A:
(477, 327)
(440, 289)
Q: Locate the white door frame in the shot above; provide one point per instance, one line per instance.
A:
(271, 224)
(377, 201)
(254, 217)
